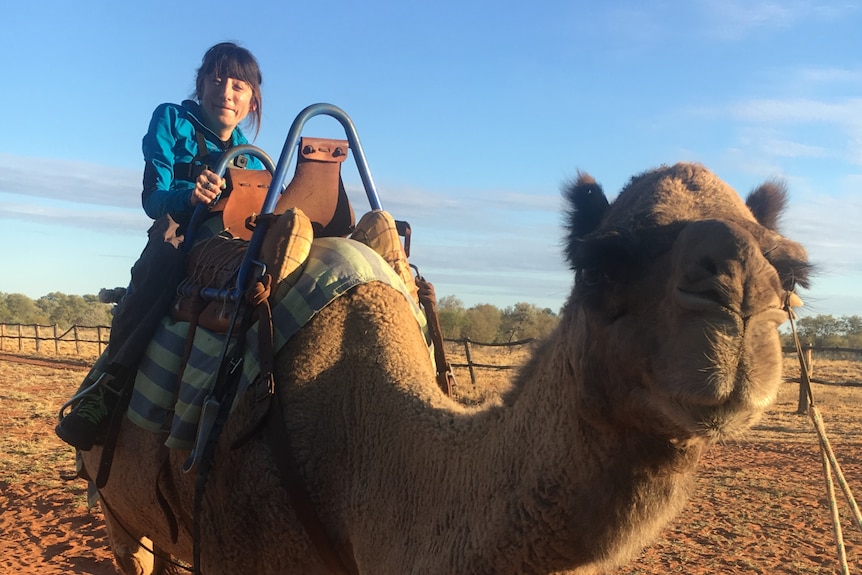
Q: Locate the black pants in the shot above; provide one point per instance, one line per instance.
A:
(155, 277)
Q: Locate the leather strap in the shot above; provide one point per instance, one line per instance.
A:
(279, 442)
(164, 476)
(224, 390)
(225, 387)
(317, 189)
(445, 376)
(126, 381)
(288, 468)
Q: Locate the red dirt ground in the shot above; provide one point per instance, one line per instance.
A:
(760, 504)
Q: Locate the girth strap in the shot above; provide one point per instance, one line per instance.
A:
(288, 468)
(279, 442)
(122, 385)
(445, 375)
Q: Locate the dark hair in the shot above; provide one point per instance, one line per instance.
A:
(227, 60)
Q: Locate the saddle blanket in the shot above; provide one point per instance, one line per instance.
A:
(334, 266)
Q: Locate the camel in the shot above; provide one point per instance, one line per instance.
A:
(667, 343)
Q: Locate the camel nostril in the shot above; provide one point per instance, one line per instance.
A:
(701, 299)
(709, 265)
(704, 285)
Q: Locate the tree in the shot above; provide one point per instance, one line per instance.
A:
(482, 323)
(18, 308)
(450, 313)
(66, 310)
(851, 326)
(525, 320)
(55, 308)
(819, 331)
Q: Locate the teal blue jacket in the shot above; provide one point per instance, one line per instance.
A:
(173, 160)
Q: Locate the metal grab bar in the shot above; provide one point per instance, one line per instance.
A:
(292, 142)
(232, 153)
(220, 169)
(279, 178)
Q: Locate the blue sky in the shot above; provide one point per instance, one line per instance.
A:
(471, 114)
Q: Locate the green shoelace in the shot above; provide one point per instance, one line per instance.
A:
(93, 407)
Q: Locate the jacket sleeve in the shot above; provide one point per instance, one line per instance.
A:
(162, 193)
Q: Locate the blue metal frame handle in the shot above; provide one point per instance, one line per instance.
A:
(279, 178)
(292, 142)
(232, 153)
(220, 169)
(247, 149)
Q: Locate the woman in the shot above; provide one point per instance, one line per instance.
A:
(182, 144)
(184, 141)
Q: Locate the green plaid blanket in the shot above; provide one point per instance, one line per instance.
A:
(334, 266)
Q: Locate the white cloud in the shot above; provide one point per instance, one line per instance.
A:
(72, 215)
(799, 110)
(829, 76)
(769, 131)
(70, 181)
(828, 228)
(481, 245)
(733, 20)
(789, 149)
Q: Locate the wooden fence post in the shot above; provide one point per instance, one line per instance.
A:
(2, 335)
(99, 337)
(20, 339)
(77, 342)
(56, 341)
(38, 341)
(469, 360)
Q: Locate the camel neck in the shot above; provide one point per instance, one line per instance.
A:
(526, 470)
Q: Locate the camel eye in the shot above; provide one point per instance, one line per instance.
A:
(593, 276)
(793, 276)
(611, 257)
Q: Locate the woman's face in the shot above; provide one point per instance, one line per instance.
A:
(225, 103)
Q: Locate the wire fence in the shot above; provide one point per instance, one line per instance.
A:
(464, 353)
(467, 348)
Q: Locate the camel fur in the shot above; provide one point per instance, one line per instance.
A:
(667, 343)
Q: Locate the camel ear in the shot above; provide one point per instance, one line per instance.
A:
(767, 202)
(587, 206)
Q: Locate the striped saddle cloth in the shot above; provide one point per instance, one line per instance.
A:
(334, 266)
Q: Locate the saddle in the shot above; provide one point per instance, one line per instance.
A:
(313, 205)
(316, 190)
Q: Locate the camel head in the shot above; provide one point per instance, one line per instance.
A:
(680, 288)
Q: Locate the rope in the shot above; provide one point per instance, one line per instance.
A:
(258, 294)
(151, 550)
(214, 261)
(830, 462)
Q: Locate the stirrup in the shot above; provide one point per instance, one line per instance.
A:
(104, 379)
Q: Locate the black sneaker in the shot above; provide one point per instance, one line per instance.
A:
(88, 421)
